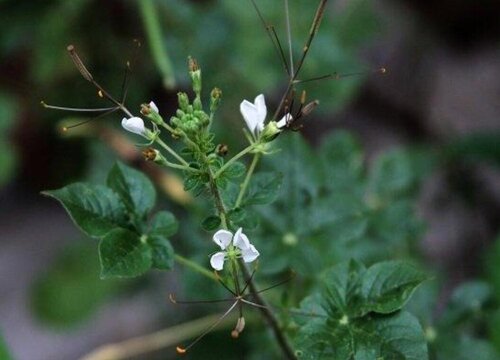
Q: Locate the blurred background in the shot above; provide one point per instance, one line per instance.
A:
(440, 99)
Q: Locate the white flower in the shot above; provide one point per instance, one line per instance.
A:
(153, 107)
(254, 114)
(134, 124)
(241, 248)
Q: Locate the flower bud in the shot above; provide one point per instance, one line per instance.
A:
(271, 130)
(183, 101)
(215, 98)
(195, 74)
(151, 112)
(197, 105)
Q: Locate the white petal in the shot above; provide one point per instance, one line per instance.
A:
(217, 260)
(240, 240)
(260, 104)
(250, 114)
(223, 238)
(153, 107)
(134, 125)
(250, 254)
(284, 121)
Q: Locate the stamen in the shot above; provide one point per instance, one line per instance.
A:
(47, 106)
(175, 301)
(182, 350)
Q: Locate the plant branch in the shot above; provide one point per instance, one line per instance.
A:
(195, 267)
(265, 311)
(233, 159)
(244, 186)
(171, 151)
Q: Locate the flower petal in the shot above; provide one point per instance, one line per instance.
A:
(217, 260)
(250, 114)
(223, 238)
(240, 240)
(250, 254)
(260, 104)
(153, 107)
(134, 125)
(285, 120)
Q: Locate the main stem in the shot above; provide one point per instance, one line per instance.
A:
(265, 311)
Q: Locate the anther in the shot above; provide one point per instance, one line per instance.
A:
(180, 350)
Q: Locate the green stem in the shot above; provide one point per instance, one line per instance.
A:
(265, 310)
(151, 20)
(171, 151)
(244, 186)
(233, 159)
(195, 267)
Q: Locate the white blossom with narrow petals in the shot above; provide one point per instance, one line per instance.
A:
(254, 114)
(244, 249)
(134, 125)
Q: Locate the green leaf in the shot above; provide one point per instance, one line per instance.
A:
(123, 254)
(133, 187)
(164, 224)
(342, 285)
(4, 351)
(235, 170)
(70, 290)
(397, 336)
(387, 286)
(95, 209)
(162, 252)
(211, 223)
(264, 188)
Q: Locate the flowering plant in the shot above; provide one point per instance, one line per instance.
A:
(356, 313)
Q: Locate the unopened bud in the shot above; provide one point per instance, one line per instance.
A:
(306, 110)
(270, 132)
(215, 98)
(183, 101)
(195, 74)
(222, 149)
(197, 105)
(151, 112)
(154, 155)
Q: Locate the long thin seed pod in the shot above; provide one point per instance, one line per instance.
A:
(66, 128)
(271, 32)
(79, 63)
(87, 76)
(320, 11)
(336, 76)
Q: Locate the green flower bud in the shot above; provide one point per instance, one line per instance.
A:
(195, 74)
(271, 130)
(197, 105)
(183, 101)
(215, 98)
